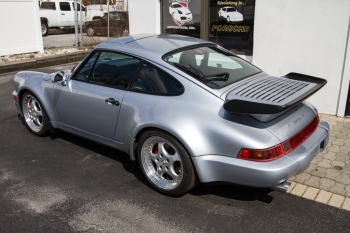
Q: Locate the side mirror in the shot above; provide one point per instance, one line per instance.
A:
(60, 77)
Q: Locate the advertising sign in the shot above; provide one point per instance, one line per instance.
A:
(182, 17)
(231, 24)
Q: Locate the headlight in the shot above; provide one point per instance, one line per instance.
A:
(180, 12)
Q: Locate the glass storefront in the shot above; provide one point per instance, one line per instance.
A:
(228, 23)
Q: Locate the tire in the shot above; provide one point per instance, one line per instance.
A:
(44, 28)
(165, 163)
(34, 115)
(228, 18)
(90, 31)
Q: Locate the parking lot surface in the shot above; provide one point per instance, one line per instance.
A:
(63, 183)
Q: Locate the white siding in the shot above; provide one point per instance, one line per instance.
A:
(20, 27)
(144, 16)
(308, 37)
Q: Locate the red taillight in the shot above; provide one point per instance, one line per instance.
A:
(281, 149)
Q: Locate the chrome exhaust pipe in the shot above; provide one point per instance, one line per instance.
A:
(282, 187)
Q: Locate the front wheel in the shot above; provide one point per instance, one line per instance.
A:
(35, 117)
(165, 163)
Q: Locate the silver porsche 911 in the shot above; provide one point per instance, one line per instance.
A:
(186, 109)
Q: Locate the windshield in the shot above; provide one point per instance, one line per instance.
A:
(231, 9)
(212, 66)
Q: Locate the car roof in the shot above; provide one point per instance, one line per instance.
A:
(150, 46)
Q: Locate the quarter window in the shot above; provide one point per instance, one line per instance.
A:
(152, 80)
(64, 6)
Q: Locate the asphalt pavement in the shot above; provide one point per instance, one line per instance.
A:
(63, 183)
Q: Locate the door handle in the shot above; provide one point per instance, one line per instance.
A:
(63, 14)
(112, 101)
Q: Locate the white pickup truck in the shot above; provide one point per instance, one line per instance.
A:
(59, 14)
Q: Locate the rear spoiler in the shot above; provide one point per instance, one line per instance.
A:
(271, 95)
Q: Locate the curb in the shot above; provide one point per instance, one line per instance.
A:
(319, 195)
(42, 62)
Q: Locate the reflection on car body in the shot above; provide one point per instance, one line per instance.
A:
(185, 109)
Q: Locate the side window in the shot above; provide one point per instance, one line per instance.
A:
(153, 80)
(84, 72)
(64, 6)
(48, 5)
(113, 70)
(78, 7)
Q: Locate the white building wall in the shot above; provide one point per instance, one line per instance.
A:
(20, 27)
(309, 37)
(144, 16)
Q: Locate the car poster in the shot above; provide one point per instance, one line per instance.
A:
(182, 17)
(231, 24)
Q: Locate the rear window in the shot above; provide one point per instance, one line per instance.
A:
(211, 65)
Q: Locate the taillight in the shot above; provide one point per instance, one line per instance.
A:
(281, 149)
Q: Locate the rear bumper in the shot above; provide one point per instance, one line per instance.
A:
(216, 168)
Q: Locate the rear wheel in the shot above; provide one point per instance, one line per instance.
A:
(90, 31)
(165, 163)
(44, 28)
(35, 117)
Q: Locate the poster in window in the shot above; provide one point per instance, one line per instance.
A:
(231, 24)
(182, 17)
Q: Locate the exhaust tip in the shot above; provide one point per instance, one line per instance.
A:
(282, 187)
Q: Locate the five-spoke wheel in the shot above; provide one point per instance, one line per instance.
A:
(165, 163)
(35, 116)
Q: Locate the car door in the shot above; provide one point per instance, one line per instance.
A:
(90, 101)
(66, 14)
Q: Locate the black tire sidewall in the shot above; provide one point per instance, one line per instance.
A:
(189, 177)
(46, 125)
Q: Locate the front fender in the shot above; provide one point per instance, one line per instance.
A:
(42, 89)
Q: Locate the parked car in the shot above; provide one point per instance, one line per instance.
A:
(185, 109)
(180, 12)
(118, 24)
(57, 15)
(230, 14)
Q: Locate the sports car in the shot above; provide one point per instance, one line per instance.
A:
(230, 14)
(185, 109)
(180, 12)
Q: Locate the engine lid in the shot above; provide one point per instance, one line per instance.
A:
(270, 96)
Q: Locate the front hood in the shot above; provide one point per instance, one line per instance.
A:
(185, 11)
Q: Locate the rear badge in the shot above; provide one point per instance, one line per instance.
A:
(298, 119)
